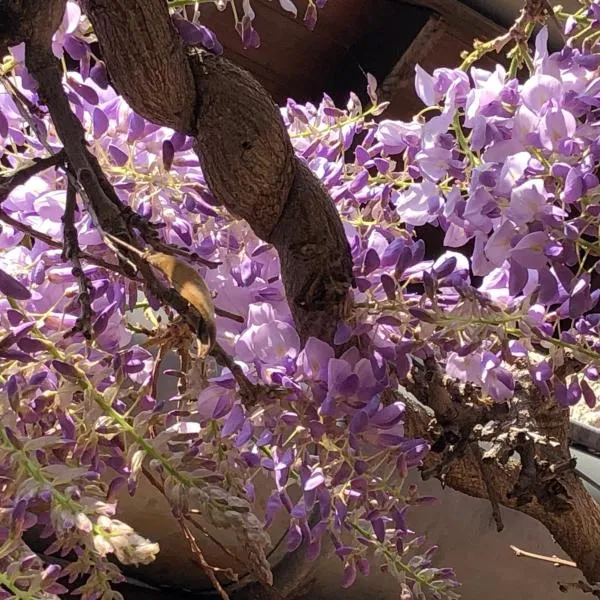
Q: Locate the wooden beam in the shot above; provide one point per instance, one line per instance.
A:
(461, 18)
(450, 30)
(402, 75)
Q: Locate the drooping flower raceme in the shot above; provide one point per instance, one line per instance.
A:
(504, 172)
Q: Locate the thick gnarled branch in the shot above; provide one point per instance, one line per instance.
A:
(244, 150)
(555, 495)
(20, 177)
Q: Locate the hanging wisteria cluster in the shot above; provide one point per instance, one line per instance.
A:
(506, 171)
(189, 20)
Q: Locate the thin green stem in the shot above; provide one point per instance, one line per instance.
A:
(183, 3)
(336, 126)
(17, 593)
(396, 560)
(462, 141)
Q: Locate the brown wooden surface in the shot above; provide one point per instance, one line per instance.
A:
(438, 44)
(351, 37)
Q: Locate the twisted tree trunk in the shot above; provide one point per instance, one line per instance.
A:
(244, 150)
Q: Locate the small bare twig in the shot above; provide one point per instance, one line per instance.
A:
(160, 246)
(9, 183)
(250, 393)
(156, 484)
(184, 366)
(208, 569)
(155, 371)
(489, 485)
(13, 89)
(229, 315)
(42, 237)
(246, 386)
(71, 251)
(557, 562)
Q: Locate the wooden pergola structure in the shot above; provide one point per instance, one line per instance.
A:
(383, 37)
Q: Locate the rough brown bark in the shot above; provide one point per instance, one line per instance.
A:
(137, 29)
(555, 497)
(20, 18)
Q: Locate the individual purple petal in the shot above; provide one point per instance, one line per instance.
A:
(371, 261)
(67, 425)
(65, 369)
(76, 48)
(425, 87)
(118, 156)
(580, 299)
(359, 422)
(168, 154)
(414, 451)
(3, 125)
(349, 576)
(392, 252)
(99, 75)
(294, 538)
(348, 386)
(136, 127)
(574, 186)
(14, 317)
(32, 345)
(183, 230)
(518, 276)
(245, 434)
(21, 330)
(135, 360)
(378, 526)
(11, 387)
(588, 394)
(100, 123)
(555, 126)
(10, 287)
(195, 34)
(405, 259)
(13, 354)
(315, 480)
(101, 322)
(85, 91)
(299, 511)
(234, 421)
(310, 16)
(343, 333)
(561, 393)
(115, 485)
(446, 267)
(539, 89)
(389, 286)
(362, 155)
(529, 251)
(363, 566)
(389, 415)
